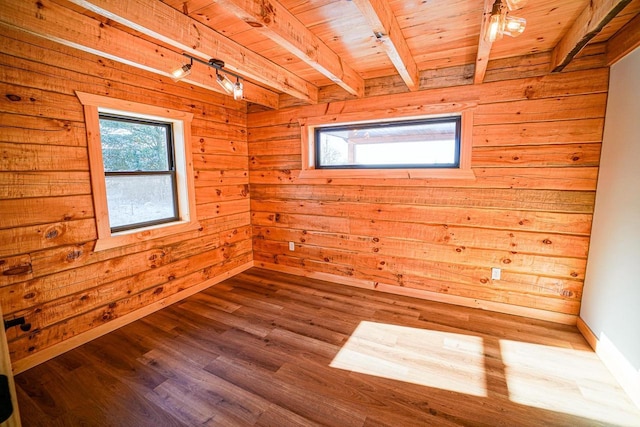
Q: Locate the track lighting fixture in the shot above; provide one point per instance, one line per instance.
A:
(222, 75)
(500, 23)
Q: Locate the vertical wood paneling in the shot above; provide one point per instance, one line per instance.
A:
(48, 270)
(536, 148)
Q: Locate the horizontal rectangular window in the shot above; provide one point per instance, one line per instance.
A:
(139, 171)
(409, 144)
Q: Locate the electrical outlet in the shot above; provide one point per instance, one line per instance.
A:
(495, 273)
(292, 246)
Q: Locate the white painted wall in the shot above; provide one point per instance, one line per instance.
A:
(611, 300)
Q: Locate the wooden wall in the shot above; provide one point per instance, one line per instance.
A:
(536, 148)
(48, 270)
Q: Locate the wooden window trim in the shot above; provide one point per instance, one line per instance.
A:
(307, 130)
(93, 105)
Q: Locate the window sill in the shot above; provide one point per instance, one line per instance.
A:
(467, 174)
(131, 237)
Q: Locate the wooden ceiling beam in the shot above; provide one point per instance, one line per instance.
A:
(276, 22)
(624, 41)
(589, 23)
(166, 24)
(385, 27)
(54, 22)
(484, 46)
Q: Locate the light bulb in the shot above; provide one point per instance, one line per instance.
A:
(514, 26)
(224, 81)
(238, 90)
(494, 28)
(181, 72)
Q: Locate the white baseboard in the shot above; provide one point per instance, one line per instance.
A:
(76, 341)
(626, 375)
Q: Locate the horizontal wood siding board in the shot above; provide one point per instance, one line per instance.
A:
(574, 178)
(436, 215)
(543, 200)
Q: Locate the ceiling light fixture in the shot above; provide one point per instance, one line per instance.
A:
(500, 23)
(222, 75)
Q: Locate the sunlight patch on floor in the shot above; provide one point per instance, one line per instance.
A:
(585, 389)
(442, 360)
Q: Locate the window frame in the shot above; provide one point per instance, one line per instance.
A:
(94, 105)
(455, 119)
(308, 148)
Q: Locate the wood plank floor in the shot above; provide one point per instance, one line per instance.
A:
(269, 349)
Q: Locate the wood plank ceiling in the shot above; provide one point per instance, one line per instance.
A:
(295, 47)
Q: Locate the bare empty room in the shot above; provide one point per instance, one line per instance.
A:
(324, 212)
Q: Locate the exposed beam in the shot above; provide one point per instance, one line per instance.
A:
(164, 23)
(484, 46)
(276, 22)
(589, 23)
(51, 21)
(385, 27)
(624, 41)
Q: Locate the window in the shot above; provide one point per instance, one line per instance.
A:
(141, 170)
(416, 147)
(426, 143)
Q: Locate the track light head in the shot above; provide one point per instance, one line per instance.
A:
(238, 90)
(181, 72)
(500, 23)
(224, 82)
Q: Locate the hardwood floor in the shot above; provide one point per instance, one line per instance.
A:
(270, 349)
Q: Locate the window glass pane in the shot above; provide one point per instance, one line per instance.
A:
(134, 146)
(424, 143)
(135, 199)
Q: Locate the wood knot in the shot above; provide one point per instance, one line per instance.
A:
(18, 270)
(547, 241)
(13, 98)
(506, 261)
(30, 295)
(157, 290)
(73, 255)
(51, 234)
